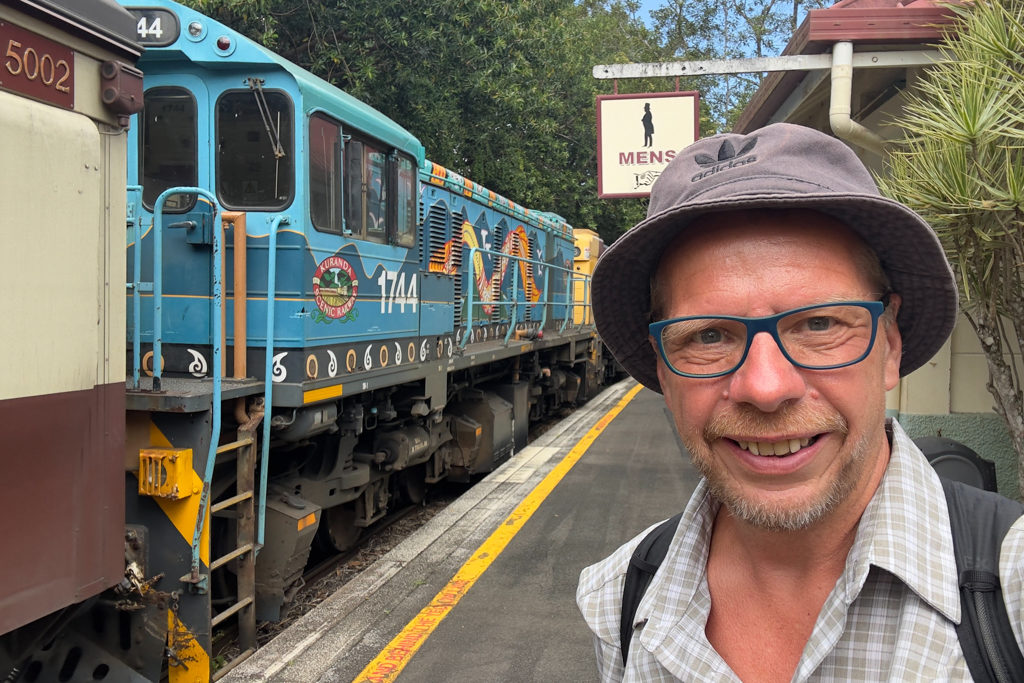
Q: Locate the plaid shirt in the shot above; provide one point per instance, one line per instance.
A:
(890, 617)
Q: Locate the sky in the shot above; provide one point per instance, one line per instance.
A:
(645, 9)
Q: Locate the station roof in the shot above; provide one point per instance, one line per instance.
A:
(888, 24)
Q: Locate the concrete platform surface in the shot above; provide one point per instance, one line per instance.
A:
(518, 621)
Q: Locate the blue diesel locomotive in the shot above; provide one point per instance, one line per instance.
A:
(320, 324)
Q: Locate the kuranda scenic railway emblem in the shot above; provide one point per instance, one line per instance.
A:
(335, 288)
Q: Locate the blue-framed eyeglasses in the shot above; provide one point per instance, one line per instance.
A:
(819, 337)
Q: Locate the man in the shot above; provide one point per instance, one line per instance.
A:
(787, 297)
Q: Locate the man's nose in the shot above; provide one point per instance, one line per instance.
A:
(766, 379)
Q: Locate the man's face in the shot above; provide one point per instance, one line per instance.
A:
(819, 434)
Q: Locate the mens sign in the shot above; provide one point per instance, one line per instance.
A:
(637, 135)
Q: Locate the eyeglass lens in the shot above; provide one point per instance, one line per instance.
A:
(820, 337)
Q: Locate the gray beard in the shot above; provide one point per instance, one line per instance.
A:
(776, 518)
(771, 517)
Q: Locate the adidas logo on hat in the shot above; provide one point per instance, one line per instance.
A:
(728, 157)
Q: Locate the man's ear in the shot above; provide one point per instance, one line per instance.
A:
(894, 341)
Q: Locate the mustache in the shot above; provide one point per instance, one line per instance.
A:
(751, 423)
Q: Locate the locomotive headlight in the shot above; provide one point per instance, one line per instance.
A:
(225, 46)
(196, 29)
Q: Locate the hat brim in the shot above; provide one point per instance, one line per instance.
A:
(909, 251)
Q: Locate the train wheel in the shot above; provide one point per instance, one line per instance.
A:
(338, 530)
(412, 485)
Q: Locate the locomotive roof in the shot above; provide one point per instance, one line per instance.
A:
(99, 21)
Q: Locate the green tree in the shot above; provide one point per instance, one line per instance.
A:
(962, 168)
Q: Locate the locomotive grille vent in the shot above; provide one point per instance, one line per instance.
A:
(530, 286)
(457, 265)
(437, 235)
(497, 284)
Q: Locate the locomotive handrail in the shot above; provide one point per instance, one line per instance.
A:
(514, 317)
(544, 309)
(268, 377)
(514, 302)
(585, 304)
(218, 303)
(136, 283)
(158, 282)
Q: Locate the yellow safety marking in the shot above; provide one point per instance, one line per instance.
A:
(306, 521)
(184, 513)
(393, 658)
(314, 395)
(187, 661)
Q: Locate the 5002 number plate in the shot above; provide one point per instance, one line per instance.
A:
(36, 66)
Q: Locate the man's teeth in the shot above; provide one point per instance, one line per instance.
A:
(774, 447)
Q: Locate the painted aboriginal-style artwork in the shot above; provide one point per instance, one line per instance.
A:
(516, 243)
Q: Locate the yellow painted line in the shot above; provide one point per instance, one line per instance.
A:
(321, 394)
(393, 658)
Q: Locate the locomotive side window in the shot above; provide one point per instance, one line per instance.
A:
(167, 146)
(354, 218)
(325, 174)
(366, 190)
(255, 161)
(376, 193)
(405, 201)
(380, 193)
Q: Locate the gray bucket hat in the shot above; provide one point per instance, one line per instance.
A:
(781, 166)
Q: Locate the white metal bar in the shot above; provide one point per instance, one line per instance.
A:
(863, 60)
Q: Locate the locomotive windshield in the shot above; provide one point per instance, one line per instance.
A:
(167, 157)
(255, 167)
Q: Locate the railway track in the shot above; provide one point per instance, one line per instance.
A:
(328, 572)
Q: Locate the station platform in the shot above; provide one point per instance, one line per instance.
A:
(485, 591)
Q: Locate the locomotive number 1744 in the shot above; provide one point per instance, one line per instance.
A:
(394, 290)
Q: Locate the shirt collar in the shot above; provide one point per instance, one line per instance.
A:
(905, 531)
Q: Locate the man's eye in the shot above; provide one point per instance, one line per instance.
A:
(712, 336)
(820, 323)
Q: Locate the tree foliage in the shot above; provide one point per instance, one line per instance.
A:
(962, 168)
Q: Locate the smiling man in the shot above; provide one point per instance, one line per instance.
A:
(773, 297)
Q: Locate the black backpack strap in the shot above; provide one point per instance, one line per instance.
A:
(646, 559)
(979, 520)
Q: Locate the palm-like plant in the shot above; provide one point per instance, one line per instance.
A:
(962, 168)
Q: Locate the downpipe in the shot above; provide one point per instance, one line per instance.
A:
(840, 109)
